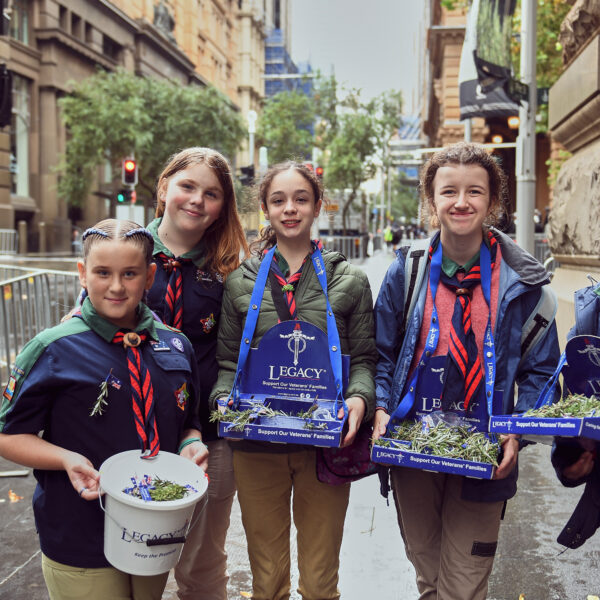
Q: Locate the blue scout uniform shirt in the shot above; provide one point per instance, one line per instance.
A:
(53, 389)
(202, 296)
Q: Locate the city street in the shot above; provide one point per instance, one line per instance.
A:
(529, 562)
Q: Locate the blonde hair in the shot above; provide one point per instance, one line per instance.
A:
(114, 229)
(225, 239)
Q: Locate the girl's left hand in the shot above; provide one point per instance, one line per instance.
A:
(510, 452)
(197, 452)
(356, 412)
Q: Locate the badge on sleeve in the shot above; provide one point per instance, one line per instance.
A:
(9, 390)
(177, 344)
(181, 395)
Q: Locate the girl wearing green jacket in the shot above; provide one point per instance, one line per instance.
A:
(291, 198)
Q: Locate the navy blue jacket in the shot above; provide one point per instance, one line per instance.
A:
(202, 296)
(53, 388)
(521, 278)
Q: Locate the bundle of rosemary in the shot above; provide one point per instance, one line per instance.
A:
(241, 418)
(441, 439)
(158, 490)
(574, 405)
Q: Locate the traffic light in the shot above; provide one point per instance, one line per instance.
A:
(247, 177)
(126, 195)
(129, 172)
(319, 172)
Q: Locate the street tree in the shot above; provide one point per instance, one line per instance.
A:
(110, 116)
(285, 126)
(359, 146)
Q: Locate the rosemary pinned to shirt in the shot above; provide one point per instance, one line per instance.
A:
(288, 287)
(101, 402)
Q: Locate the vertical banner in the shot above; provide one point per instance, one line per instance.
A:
(485, 70)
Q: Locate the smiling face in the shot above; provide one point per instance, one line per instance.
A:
(193, 200)
(290, 207)
(461, 197)
(115, 275)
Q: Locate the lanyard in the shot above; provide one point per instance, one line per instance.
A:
(489, 359)
(333, 338)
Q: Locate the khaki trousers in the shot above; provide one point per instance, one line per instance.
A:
(75, 583)
(268, 485)
(451, 542)
(201, 572)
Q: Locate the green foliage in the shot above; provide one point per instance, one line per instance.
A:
(110, 115)
(284, 126)
(405, 199)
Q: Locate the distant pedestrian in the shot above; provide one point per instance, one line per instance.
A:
(450, 523)
(274, 479)
(198, 240)
(73, 400)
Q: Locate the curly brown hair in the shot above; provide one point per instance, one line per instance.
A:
(464, 153)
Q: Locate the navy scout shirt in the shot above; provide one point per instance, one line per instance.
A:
(202, 296)
(53, 388)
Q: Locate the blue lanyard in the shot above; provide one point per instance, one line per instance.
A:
(485, 265)
(333, 338)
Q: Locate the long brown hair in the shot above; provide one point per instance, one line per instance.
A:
(267, 238)
(224, 239)
(465, 153)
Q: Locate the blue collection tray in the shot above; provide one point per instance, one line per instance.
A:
(398, 455)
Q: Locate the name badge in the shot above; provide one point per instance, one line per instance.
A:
(160, 346)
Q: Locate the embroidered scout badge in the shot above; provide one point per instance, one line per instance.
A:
(9, 390)
(177, 344)
(181, 395)
(208, 323)
(160, 346)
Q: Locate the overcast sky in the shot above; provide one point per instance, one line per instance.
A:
(371, 44)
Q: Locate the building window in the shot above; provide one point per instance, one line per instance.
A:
(76, 26)
(277, 14)
(110, 48)
(19, 20)
(89, 33)
(63, 15)
(19, 137)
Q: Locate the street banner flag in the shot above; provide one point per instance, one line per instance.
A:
(485, 65)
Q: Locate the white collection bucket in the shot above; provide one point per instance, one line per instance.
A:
(146, 538)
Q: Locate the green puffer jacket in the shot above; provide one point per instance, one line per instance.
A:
(352, 303)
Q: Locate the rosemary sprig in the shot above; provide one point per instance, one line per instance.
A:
(442, 440)
(161, 490)
(574, 405)
(101, 402)
(241, 418)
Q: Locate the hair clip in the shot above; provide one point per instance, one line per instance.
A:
(139, 231)
(93, 231)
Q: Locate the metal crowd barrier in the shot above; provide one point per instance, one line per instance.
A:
(351, 246)
(9, 241)
(30, 303)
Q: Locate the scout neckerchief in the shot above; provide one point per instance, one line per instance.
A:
(142, 392)
(333, 338)
(463, 372)
(174, 297)
(173, 266)
(435, 271)
(287, 286)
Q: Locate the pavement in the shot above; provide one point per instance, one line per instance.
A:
(530, 565)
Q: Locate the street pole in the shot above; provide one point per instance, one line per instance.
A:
(251, 117)
(525, 152)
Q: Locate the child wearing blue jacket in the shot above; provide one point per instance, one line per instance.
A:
(109, 379)
(450, 523)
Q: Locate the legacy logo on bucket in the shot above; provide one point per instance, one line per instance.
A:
(143, 538)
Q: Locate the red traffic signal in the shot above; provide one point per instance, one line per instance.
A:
(319, 172)
(129, 172)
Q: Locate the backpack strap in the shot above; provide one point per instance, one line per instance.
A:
(541, 316)
(415, 264)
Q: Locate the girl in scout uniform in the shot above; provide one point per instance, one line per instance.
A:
(450, 523)
(198, 239)
(78, 385)
(266, 474)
